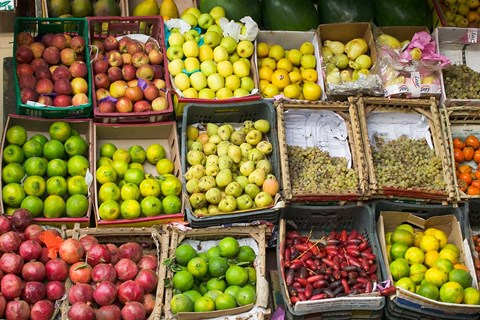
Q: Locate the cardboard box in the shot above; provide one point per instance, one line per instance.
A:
(41, 126)
(345, 32)
(293, 40)
(126, 135)
(449, 224)
(462, 47)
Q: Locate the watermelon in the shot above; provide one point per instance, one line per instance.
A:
(335, 11)
(295, 15)
(403, 13)
(235, 9)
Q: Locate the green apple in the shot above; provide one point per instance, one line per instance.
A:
(224, 68)
(208, 67)
(215, 82)
(205, 21)
(212, 38)
(247, 83)
(192, 34)
(308, 61)
(240, 92)
(232, 82)
(205, 53)
(206, 93)
(181, 81)
(198, 80)
(245, 48)
(191, 64)
(234, 57)
(224, 93)
(190, 48)
(219, 54)
(228, 43)
(190, 93)
(216, 28)
(174, 52)
(241, 69)
(176, 39)
(192, 10)
(218, 12)
(189, 18)
(175, 66)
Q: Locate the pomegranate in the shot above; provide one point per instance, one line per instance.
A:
(130, 291)
(133, 310)
(87, 241)
(149, 303)
(111, 312)
(10, 241)
(54, 290)
(44, 257)
(41, 310)
(131, 250)
(21, 219)
(56, 269)
(11, 286)
(114, 253)
(98, 253)
(33, 291)
(17, 310)
(80, 292)
(71, 251)
(33, 271)
(11, 263)
(104, 272)
(3, 304)
(126, 269)
(105, 293)
(33, 231)
(148, 261)
(5, 224)
(147, 279)
(30, 250)
(81, 311)
(80, 272)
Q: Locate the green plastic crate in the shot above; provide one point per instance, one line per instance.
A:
(37, 27)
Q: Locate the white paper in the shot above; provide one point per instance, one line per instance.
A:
(251, 29)
(324, 129)
(230, 28)
(180, 24)
(392, 125)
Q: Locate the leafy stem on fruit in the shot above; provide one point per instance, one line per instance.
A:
(170, 263)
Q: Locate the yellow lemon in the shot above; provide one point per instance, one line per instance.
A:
(430, 258)
(429, 243)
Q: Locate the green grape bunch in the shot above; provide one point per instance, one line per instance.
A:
(461, 82)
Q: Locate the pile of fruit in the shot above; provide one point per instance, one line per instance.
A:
(83, 8)
(223, 277)
(343, 264)
(127, 191)
(218, 68)
(461, 82)
(52, 70)
(476, 260)
(392, 161)
(423, 262)
(32, 280)
(229, 169)
(288, 72)
(467, 153)
(109, 282)
(46, 177)
(128, 75)
(461, 13)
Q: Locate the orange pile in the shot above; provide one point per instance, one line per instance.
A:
(464, 152)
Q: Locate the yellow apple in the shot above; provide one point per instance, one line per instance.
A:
(295, 56)
(191, 64)
(215, 82)
(295, 77)
(192, 10)
(232, 82)
(218, 12)
(308, 61)
(224, 93)
(198, 80)
(240, 92)
(311, 91)
(276, 52)
(241, 69)
(190, 18)
(270, 90)
(176, 39)
(247, 83)
(245, 48)
(292, 91)
(220, 54)
(205, 53)
(208, 67)
(190, 48)
(233, 57)
(206, 93)
(269, 62)
(190, 93)
(176, 66)
(181, 81)
(284, 64)
(225, 68)
(309, 75)
(262, 49)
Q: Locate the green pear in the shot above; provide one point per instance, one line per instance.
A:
(223, 178)
(247, 167)
(252, 190)
(213, 208)
(213, 195)
(225, 162)
(200, 211)
(209, 148)
(234, 189)
(195, 171)
(245, 148)
(224, 132)
(257, 177)
(206, 183)
(212, 170)
(263, 199)
(197, 146)
(238, 137)
(215, 138)
(265, 147)
(235, 153)
(211, 159)
(242, 180)
(192, 185)
(248, 125)
(244, 202)
(212, 129)
(198, 200)
(227, 204)
(255, 155)
(265, 165)
(262, 125)
(195, 157)
(222, 148)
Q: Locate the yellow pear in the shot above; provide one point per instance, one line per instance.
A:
(168, 9)
(146, 8)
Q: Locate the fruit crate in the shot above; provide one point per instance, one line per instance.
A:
(391, 119)
(141, 28)
(460, 45)
(352, 136)
(233, 113)
(451, 225)
(460, 122)
(471, 226)
(202, 240)
(124, 136)
(38, 27)
(153, 241)
(182, 5)
(122, 3)
(41, 126)
(316, 222)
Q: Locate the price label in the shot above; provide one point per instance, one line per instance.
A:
(472, 35)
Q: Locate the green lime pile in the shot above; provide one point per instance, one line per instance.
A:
(45, 177)
(221, 278)
(126, 191)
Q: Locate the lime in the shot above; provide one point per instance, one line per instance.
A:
(461, 276)
(77, 185)
(213, 294)
(109, 191)
(444, 264)
(109, 210)
(430, 258)
(405, 226)
(449, 254)
(34, 186)
(414, 255)
(13, 194)
(137, 154)
(13, 154)
(170, 185)
(129, 191)
(40, 138)
(406, 283)
(57, 167)
(399, 269)
(32, 204)
(233, 290)
(32, 148)
(403, 236)
(106, 174)
(428, 290)
(451, 292)
(229, 247)
(181, 303)
(398, 250)
(246, 254)
(107, 150)
(192, 294)
(76, 145)
(225, 301)
(213, 252)
(216, 284)
(182, 280)
(204, 304)
(184, 253)
(104, 161)
(60, 131)
(130, 209)
(53, 206)
(236, 275)
(77, 165)
(53, 149)
(151, 206)
(120, 167)
(417, 272)
(171, 204)
(122, 155)
(149, 187)
(57, 186)
(77, 206)
(155, 152)
(13, 173)
(436, 276)
(16, 135)
(134, 165)
(133, 175)
(252, 275)
(217, 266)
(429, 243)
(245, 296)
(165, 166)
(198, 267)
(35, 166)
(471, 296)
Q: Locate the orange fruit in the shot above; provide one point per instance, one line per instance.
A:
(458, 143)
(109, 210)
(53, 206)
(236, 275)
(472, 141)
(53, 149)
(77, 206)
(451, 292)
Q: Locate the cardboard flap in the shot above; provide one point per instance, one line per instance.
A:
(395, 218)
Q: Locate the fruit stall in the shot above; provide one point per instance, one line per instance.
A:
(212, 159)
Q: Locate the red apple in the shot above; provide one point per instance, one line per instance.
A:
(97, 47)
(38, 62)
(68, 39)
(61, 72)
(101, 80)
(46, 100)
(24, 68)
(123, 43)
(133, 47)
(145, 72)
(24, 54)
(128, 72)
(79, 99)
(27, 81)
(115, 73)
(160, 83)
(159, 104)
(132, 83)
(59, 41)
(44, 86)
(100, 66)
(78, 44)
(78, 69)
(62, 100)
(101, 93)
(124, 105)
(151, 92)
(142, 106)
(106, 106)
(114, 58)
(158, 71)
(37, 49)
(24, 38)
(155, 56)
(151, 45)
(43, 73)
(62, 86)
(47, 39)
(134, 93)
(68, 56)
(110, 43)
(126, 58)
(28, 94)
(51, 55)
(139, 59)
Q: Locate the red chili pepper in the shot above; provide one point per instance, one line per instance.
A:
(289, 277)
(296, 285)
(362, 280)
(304, 239)
(353, 252)
(297, 264)
(319, 284)
(363, 246)
(294, 299)
(308, 291)
(301, 247)
(319, 296)
(368, 287)
(374, 277)
(365, 265)
(287, 255)
(343, 235)
(354, 241)
(353, 234)
(388, 291)
(346, 287)
(311, 265)
(354, 262)
(306, 256)
(369, 256)
(332, 235)
(343, 274)
(351, 247)
(372, 269)
(328, 262)
(315, 278)
(302, 296)
(303, 282)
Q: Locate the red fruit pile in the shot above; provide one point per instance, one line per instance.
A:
(30, 282)
(52, 70)
(345, 265)
(109, 282)
(128, 75)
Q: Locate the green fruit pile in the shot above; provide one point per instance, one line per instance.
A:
(423, 262)
(229, 169)
(221, 278)
(126, 191)
(46, 177)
